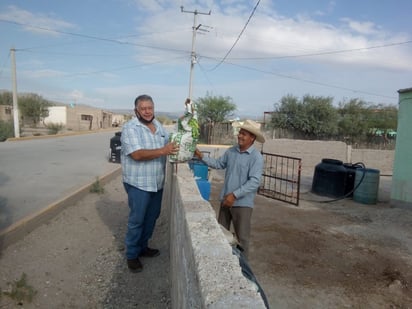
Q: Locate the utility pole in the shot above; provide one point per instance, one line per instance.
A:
(193, 53)
(15, 105)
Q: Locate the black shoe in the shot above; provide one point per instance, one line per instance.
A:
(134, 265)
(149, 252)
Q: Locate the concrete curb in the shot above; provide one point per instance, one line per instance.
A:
(26, 225)
(25, 138)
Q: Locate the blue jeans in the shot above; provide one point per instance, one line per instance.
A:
(144, 209)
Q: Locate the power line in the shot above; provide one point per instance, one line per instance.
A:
(204, 74)
(119, 68)
(72, 54)
(326, 52)
(311, 81)
(314, 54)
(4, 65)
(91, 37)
(238, 38)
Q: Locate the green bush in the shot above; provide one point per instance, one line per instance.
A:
(6, 130)
(96, 187)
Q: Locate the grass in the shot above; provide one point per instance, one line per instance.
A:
(97, 187)
(20, 291)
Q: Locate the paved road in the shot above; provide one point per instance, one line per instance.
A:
(37, 172)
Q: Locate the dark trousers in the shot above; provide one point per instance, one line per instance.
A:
(240, 217)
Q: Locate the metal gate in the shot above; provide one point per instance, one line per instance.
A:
(281, 178)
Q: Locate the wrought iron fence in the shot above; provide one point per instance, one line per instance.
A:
(281, 178)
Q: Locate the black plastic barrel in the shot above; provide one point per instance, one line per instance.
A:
(329, 178)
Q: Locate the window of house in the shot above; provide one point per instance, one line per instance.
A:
(86, 117)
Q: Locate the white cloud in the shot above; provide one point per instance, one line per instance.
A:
(43, 73)
(364, 28)
(270, 35)
(37, 23)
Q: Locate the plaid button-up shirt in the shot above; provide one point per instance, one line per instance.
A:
(146, 175)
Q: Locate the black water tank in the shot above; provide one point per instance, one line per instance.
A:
(350, 177)
(329, 178)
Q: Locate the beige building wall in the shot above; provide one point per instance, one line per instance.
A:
(81, 118)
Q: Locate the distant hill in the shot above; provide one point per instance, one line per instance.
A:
(130, 112)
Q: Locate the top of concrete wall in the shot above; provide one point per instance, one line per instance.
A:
(405, 90)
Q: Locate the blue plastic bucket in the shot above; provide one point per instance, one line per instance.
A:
(367, 186)
(204, 188)
(200, 171)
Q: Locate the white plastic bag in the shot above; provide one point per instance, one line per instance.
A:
(187, 135)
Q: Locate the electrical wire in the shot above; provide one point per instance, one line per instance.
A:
(71, 54)
(311, 82)
(91, 37)
(238, 38)
(119, 68)
(117, 41)
(4, 65)
(325, 52)
(204, 74)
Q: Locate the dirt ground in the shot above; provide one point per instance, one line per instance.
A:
(77, 260)
(317, 255)
(332, 255)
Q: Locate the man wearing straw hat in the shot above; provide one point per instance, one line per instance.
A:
(244, 167)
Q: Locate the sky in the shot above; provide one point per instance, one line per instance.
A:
(106, 53)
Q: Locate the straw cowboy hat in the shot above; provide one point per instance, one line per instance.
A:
(254, 128)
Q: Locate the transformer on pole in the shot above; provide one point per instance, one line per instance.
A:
(193, 53)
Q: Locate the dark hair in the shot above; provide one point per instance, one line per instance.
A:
(143, 97)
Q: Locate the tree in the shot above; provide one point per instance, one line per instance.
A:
(313, 117)
(6, 130)
(352, 123)
(383, 118)
(213, 109)
(321, 117)
(6, 98)
(287, 113)
(33, 107)
(360, 121)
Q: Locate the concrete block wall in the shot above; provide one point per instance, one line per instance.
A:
(204, 272)
(378, 159)
(312, 153)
